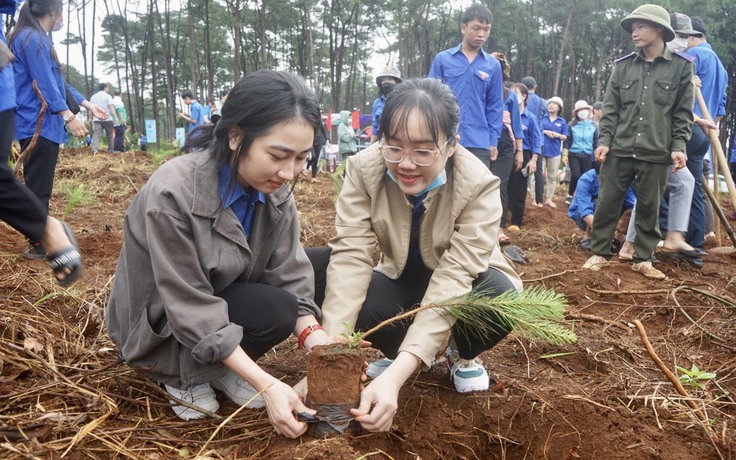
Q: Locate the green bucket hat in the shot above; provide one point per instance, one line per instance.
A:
(651, 13)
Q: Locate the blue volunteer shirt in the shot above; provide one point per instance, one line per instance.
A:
(478, 88)
(532, 133)
(196, 111)
(552, 147)
(243, 204)
(536, 106)
(511, 105)
(33, 61)
(714, 78)
(586, 195)
(377, 111)
(7, 85)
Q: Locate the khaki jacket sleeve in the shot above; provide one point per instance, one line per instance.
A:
(474, 238)
(682, 112)
(351, 261)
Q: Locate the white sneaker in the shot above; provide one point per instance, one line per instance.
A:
(467, 374)
(376, 368)
(239, 391)
(595, 263)
(199, 395)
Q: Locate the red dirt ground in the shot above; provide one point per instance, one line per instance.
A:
(63, 395)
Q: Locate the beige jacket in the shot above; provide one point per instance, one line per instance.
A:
(457, 241)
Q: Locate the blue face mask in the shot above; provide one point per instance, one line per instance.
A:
(438, 181)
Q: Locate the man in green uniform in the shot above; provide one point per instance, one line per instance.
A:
(647, 117)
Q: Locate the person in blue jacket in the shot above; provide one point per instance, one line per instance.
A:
(582, 207)
(19, 207)
(532, 145)
(389, 77)
(580, 144)
(36, 60)
(475, 78)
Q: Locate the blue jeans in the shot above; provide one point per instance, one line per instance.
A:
(697, 147)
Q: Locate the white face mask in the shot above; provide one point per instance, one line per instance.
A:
(57, 25)
(583, 114)
(678, 44)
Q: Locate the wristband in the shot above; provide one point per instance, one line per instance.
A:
(305, 333)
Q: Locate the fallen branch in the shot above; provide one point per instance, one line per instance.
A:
(668, 373)
(18, 170)
(599, 319)
(647, 292)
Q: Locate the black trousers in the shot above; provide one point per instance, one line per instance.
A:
(580, 163)
(517, 191)
(267, 314)
(119, 145)
(40, 167)
(19, 207)
(539, 181)
(386, 298)
(483, 155)
(502, 167)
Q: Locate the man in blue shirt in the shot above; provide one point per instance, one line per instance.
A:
(389, 77)
(475, 78)
(196, 111)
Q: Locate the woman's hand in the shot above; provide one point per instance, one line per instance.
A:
(378, 404)
(283, 404)
(532, 165)
(518, 159)
(379, 401)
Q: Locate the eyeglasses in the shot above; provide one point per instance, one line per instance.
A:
(420, 157)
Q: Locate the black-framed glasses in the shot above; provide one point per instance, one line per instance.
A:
(420, 157)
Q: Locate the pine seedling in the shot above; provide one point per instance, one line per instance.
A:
(74, 197)
(533, 314)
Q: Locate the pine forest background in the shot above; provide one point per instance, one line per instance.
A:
(152, 50)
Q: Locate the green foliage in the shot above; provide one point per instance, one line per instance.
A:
(158, 156)
(694, 376)
(533, 313)
(75, 196)
(353, 339)
(337, 177)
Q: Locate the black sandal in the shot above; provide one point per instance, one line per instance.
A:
(66, 258)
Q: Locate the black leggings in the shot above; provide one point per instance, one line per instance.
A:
(267, 314)
(580, 163)
(19, 207)
(386, 298)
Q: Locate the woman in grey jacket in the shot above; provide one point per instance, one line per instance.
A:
(211, 274)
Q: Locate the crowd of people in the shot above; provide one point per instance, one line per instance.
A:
(211, 274)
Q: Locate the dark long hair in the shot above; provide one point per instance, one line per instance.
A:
(258, 102)
(30, 13)
(430, 98)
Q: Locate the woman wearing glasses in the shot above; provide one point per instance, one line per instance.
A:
(433, 209)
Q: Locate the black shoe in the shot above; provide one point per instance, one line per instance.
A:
(35, 252)
(696, 262)
(586, 245)
(693, 253)
(616, 245)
